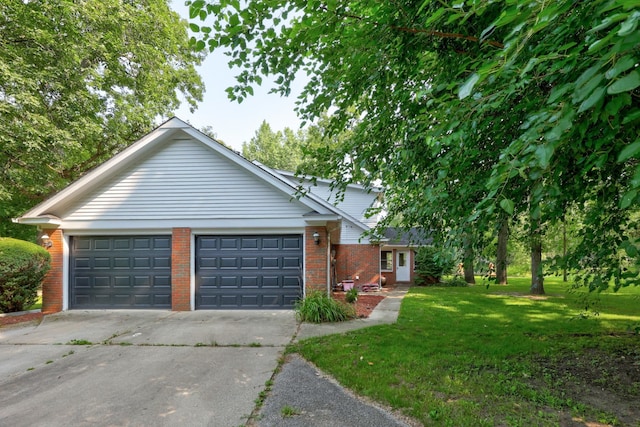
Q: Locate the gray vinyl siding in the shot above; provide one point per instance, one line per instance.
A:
(188, 180)
(355, 202)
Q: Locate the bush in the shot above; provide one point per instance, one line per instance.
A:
(317, 307)
(453, 282)
(431, 264)
(23, 266)
(351, 296)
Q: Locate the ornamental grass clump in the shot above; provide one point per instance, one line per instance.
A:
(317, 307)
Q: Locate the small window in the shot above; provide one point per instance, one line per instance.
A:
(402, 260)
(386, 260)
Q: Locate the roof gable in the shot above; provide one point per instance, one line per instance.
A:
(176, 171)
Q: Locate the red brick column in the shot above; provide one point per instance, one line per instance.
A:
(181, 269)
(52, 286)
(316, 274)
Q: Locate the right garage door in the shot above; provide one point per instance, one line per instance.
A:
(248, 272)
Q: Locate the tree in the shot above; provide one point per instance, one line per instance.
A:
(278, 150)
(302, 151)
(78, 82)
(540, 97)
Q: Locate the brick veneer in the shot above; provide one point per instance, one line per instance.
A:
(181, 269)
(52, 289)
(358, 260)
(316, 274)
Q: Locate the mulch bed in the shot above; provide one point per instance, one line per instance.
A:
(28, 317)
(365, 303)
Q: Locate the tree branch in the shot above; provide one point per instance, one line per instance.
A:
(433, 33)
(448, 35)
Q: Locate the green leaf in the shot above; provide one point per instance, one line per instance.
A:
(630, 248)
(467, 87)
(631, 150)
(628, 198)
(631, 117)
(507, 205)
(630, 25)
(621, 65)
(625, 84)
(593, 99)
(194, 27)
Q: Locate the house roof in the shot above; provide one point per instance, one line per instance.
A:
(395, 236)
(44, 214)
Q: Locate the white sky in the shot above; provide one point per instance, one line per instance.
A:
(235, 123)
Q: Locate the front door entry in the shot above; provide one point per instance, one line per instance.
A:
(403, 265)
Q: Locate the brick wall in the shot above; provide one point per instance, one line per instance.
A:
(181, 269)
(316, 274)
(52, 287)
(358, 260)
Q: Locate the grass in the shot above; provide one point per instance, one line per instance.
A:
(37, 305)
(473, 356)
(317, 307)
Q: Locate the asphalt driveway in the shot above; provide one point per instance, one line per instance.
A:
(139, 368)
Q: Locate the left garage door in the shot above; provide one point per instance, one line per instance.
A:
(120, 272)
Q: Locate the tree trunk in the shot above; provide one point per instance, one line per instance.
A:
(537, 279)
(564, 248)
(501, 256)
(467, 261)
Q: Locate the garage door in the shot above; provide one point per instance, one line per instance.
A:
(120, 272)
(248, 271)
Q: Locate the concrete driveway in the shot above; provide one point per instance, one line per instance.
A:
(140, 368)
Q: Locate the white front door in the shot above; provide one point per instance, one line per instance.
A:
(403, 265)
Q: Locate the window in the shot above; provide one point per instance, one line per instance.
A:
(386, 260)
(402, 259)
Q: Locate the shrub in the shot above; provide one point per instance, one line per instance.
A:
(453, 282)
(351, 296)
(317, 307)
(23, 266)
(431, 264)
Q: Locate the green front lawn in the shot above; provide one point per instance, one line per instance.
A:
(495, 356)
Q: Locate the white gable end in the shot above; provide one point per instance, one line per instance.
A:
(183, 179)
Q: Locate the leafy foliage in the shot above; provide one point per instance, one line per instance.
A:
(466, 111)
(78, 82)
(431, 265)
(23, 266)
(277, 150)
(453, 282)
(317, 307)
(351, 295)
(293, 151)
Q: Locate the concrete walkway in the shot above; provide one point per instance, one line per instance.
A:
(315, 398)
(385, 312)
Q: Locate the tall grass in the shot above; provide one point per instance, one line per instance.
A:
(317, 307)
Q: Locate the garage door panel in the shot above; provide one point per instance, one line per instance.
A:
(249, 243)
(248, 271)
(249, 262)
(81, 263)
(120, 272)
(229, 263)
(161, 263)
(271, 244)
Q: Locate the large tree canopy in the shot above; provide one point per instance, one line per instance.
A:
(79, 80)
(467, 111)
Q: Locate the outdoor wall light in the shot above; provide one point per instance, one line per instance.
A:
(46, 241)
(316, 237)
